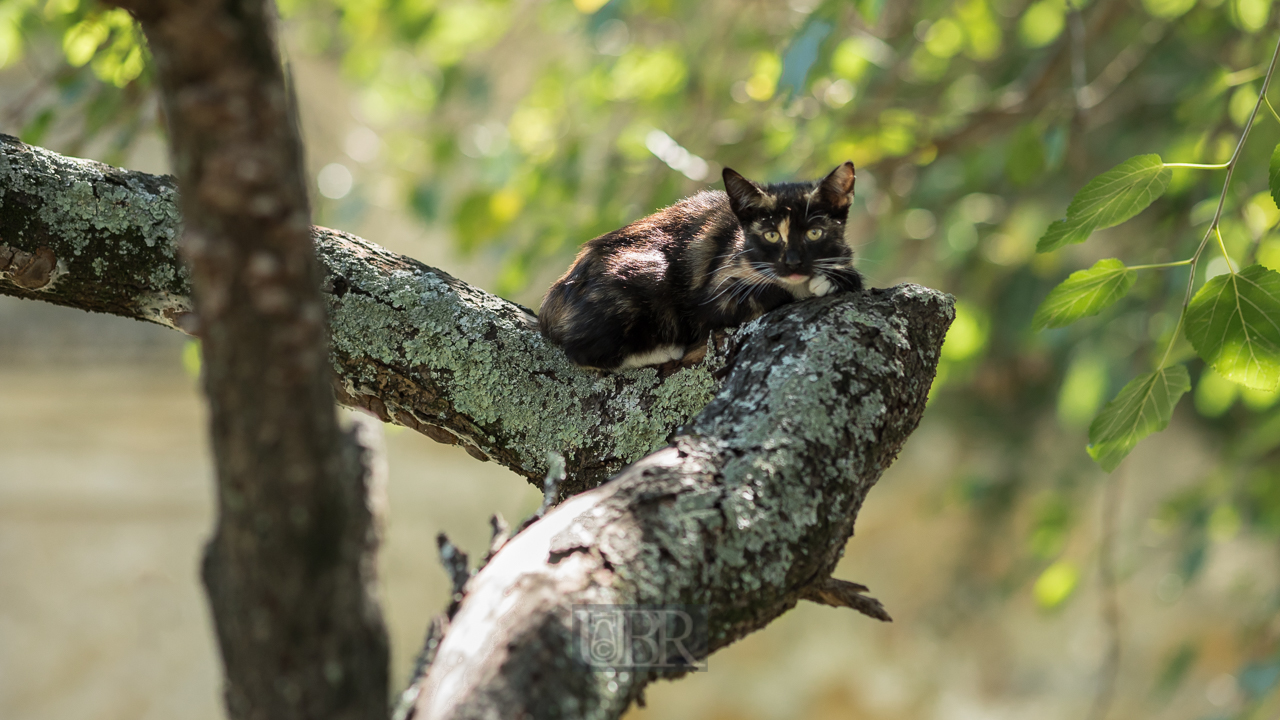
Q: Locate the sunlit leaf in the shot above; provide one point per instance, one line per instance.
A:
(1143, 406)
(1056, 584)
(1259, 400)
(1233, 322)
(1168, 9)
(589, 6)
(967, 335)
(1215, 394)
(81, 41)
(982, 33)
(191, 358)
(1260, 214)
(1109, 199)
(1084, 293)
(1251, 15)
(1084, 389)
(645, 75)
(767, 68)
(1240, 106)
(945, 38)
(1041, 23)
(11, 44)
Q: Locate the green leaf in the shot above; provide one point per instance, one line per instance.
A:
(1234, 324)
(1274, 176)
(1143, 406)
(1109, 199)
(1084, 293)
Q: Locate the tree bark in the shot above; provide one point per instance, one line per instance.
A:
(410, 343)
(289, 570)
(744, 513)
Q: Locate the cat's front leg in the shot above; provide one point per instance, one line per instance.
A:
(825, 284)
(819, 285)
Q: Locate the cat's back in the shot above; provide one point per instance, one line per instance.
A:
(635, 281)
(671, 228)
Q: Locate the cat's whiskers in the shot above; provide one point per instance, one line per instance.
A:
(745, 291)
(764, 269)
(736, 281)
(726, 279)
(731, 255)
(837, 264)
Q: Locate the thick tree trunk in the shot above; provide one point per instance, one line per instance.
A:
(289, 570)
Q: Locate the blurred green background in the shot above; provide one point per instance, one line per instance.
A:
(491, 138)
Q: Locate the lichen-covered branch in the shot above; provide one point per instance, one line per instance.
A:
(746, 512)
(86, 235)
(425, 350)
(409, 342)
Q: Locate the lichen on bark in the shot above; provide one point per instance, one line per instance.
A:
(410, 343)
(746, 512)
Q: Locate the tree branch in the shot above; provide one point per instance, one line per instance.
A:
(745, 512)
(410, 343)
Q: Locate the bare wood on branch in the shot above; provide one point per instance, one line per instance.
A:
(745, 512)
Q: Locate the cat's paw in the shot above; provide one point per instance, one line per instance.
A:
(819, 285)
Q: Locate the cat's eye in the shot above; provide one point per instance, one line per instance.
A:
(772, 236)
(814, 233)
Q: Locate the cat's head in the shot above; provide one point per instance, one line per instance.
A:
(794, 230)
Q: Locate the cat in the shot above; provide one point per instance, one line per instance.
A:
(653, 291)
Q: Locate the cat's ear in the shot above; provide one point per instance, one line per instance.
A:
(837, 188)
(745, 195)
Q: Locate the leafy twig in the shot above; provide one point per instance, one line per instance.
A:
(1222, 200)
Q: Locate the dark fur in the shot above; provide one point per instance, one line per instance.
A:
(670, 279)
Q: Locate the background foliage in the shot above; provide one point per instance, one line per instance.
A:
(521, 129)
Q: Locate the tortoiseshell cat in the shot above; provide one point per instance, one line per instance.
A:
(650, 292)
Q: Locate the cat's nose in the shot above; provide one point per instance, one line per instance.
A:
(792, 259)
